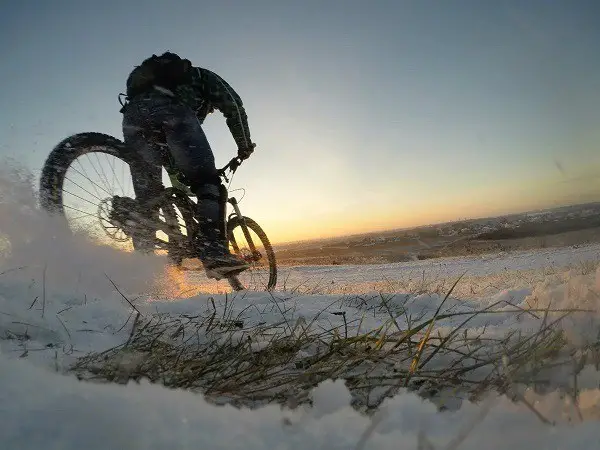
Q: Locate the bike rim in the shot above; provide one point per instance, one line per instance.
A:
(90, 184)
(261, 274)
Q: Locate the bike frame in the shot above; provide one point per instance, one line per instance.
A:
(189, 251)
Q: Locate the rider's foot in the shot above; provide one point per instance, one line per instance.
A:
(218, 262)
(213, 249)
(223, 266)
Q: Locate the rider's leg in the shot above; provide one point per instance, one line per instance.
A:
(192, 153)
(193, 156)
(147, 184)
(146, 173)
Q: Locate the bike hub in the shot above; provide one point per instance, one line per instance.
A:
(123, 214)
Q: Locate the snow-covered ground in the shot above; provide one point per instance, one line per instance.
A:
(361, 278)
(62, 298)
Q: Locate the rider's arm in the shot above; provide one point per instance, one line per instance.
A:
(222, 96)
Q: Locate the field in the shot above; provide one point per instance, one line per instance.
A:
(489, 349)
(567, 226)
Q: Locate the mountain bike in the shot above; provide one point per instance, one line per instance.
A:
(176, 230)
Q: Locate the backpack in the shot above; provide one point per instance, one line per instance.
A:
(167, 70)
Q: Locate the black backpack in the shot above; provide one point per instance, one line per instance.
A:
(167, 70)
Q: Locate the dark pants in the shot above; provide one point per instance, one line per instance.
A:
(155, 119)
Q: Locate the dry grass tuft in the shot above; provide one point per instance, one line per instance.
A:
(217, 353)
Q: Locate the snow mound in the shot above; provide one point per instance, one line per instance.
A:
(66, 414)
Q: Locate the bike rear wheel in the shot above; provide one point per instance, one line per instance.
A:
(74, 162)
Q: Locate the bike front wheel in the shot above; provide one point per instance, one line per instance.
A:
(257, 251)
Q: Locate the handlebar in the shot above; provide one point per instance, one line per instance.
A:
(232, 165)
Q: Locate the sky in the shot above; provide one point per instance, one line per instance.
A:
(366, 115)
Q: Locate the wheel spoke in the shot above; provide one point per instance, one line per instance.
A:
(115, 179)
(81, 217)
(82, 188)
(86, 176)
(103, 176)
(79, 197)
(78, 210)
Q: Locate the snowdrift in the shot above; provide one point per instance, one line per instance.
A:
(62, 298)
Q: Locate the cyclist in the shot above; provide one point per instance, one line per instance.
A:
(167, 101)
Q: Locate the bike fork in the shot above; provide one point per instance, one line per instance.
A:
(236, 208)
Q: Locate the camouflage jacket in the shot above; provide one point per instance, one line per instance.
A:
(208, 91)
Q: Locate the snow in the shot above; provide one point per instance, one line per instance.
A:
(358, 278)
(41, 409)
(61, 298)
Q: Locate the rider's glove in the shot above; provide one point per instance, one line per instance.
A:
(245, 152)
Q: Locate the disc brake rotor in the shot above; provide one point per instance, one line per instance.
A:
(115, 215)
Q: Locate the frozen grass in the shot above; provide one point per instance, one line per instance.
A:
(431, 349)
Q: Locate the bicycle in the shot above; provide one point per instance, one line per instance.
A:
(119, 215)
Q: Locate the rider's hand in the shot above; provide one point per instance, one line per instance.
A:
(245, 152)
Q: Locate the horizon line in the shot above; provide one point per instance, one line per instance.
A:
(431, 224)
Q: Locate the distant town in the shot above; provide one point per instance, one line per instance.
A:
(569, 225)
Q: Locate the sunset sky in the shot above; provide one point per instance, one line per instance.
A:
(367, 115)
